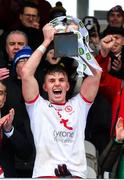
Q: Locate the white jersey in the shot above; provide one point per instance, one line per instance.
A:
(58, 132)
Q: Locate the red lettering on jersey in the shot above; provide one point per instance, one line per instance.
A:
(64, 122)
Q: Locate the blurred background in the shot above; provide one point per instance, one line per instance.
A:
(82, 8)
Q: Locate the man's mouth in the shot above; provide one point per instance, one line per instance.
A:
(54, 59)
(57, 92)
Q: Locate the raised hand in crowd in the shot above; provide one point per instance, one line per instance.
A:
(115, 63)
(35, 25)
(4, 73)
(120, 129)
(106, 44)
(6, 121)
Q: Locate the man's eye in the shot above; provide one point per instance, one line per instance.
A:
(11, 43)
(2, 93)
(61, 80)
(21, 43)
(52, 80)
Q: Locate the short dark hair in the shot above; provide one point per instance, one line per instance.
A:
(29, 4)
(55, 68)
(57, 11)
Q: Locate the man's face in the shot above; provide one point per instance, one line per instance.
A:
(115, 19)
(56, 85)
(14, 43)
(2, 95)
(19, 67)
(29, 17)
(119, 42)
(51, 57)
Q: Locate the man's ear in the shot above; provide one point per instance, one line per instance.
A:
(38, 19)
(123, 41)
(5, 99)
(44, 87)
(68, 86)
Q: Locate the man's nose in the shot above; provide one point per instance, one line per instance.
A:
(16, 46)
(31, 18)
(57, 82)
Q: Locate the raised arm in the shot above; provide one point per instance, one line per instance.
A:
(30, 87)
(106, 44)
(90, 84)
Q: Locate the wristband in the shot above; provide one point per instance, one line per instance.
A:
(42, 48)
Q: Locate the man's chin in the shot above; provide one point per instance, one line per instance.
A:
(57, 100)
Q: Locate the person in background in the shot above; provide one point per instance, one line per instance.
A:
(44, 9)
(110, 59)
(63, 124)
(14, 41)
(4, 121)
(17, 152)
(93, 27)
(57, 11)
(115, 18)
(111, 55)
(110, 159)
(114, 45)
(28, 23)
(9, 13)
(29, 15)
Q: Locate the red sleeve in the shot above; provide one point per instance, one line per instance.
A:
(33, 100)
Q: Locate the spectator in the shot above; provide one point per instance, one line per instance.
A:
(15, 40)
(17, 151)
(115, 18)
(57, 11)
(93, 27)
(9, 12)
(55, 135)
(4, 120)
(44, 9)
(111, 44)
(110, 159)
(29, 24)
(115, 164)
(99, 128)
(2, 101)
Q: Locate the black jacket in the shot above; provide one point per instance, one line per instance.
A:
(118, 74)
(17, 152)
(110, 157)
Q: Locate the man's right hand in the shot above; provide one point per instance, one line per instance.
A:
(106, 44)
(4, 73)
(48, 31)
